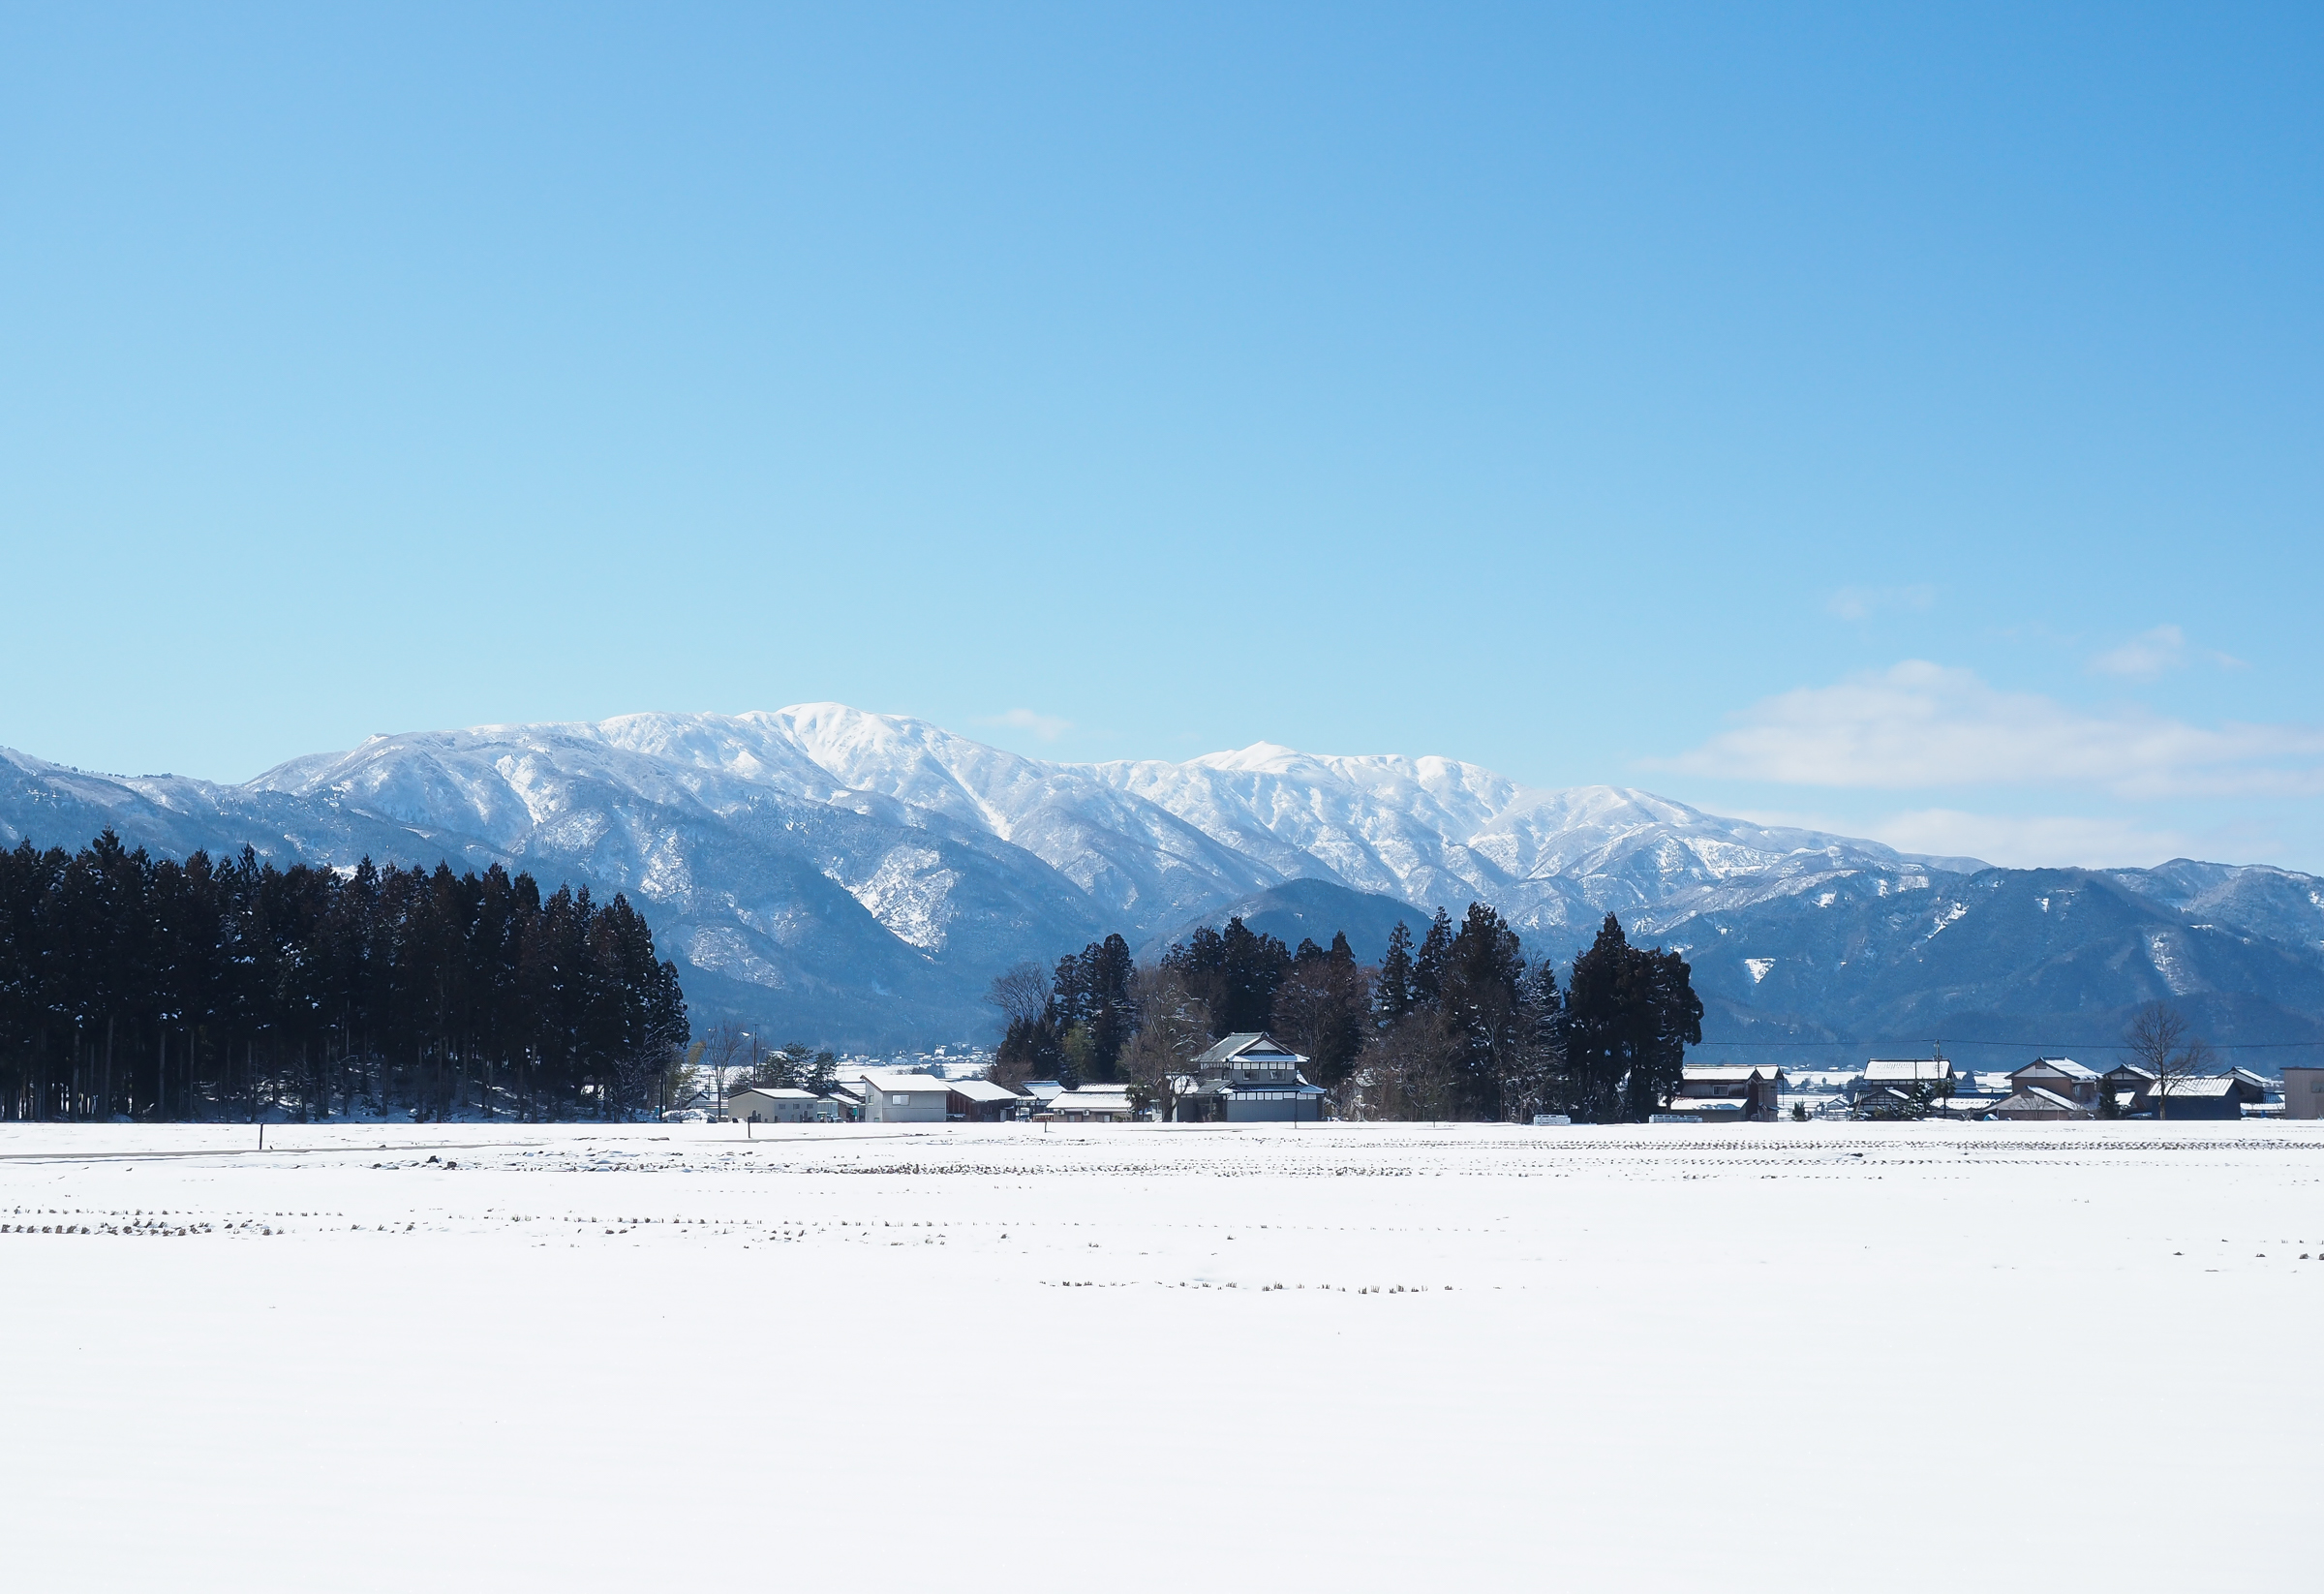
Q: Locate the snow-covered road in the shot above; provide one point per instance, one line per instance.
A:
(1371, 1358)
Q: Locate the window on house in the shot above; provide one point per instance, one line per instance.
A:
(900, 1101)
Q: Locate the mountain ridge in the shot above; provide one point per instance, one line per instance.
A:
(861, 875)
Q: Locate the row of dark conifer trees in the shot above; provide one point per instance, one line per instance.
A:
(159, 988)
(1458, 1025)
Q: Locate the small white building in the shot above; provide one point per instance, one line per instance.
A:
(1733, 1092)
(981, 1101)
(906, 1098)
(765, 1104)
(1094, 1104)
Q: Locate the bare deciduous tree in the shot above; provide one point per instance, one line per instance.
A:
(1019, 991)
(679, 1082)
(2160, 1042)
(1414, 1069)
(725, 1048)
(1533, 1064)
(1173, 1028)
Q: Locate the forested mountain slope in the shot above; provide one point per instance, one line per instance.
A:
(859, 877)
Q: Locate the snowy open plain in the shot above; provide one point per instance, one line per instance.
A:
(1391, 1357)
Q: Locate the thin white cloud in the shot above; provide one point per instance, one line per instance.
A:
(2149, 653)
(1863, 602)
(1047, 726)
(2145, 656)
(2034, 841)
(2052, 841)
(1921, 724)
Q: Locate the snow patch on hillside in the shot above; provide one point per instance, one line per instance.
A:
(908, 893)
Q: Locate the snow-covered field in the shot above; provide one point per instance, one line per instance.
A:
(1796, 1357)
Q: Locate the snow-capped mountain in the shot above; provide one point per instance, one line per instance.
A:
(861, 876)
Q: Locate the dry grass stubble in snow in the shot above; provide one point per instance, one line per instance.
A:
(1365, 1358)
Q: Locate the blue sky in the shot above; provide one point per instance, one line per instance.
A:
(1902, 423)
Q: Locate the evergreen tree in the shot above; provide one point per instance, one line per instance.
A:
(1393, 993)
(1482, 969)
(786, 1069)
(1429, 965)
(1323, 1010)
(196, 989)
(1106, 1008)
(1234, 973)
(1029, 1048)
(1630, 1015)
(1087, 1019)
(1532, 1074)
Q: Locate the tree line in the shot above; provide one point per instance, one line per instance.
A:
(733, 1059)
(200, 988)
(1458, 1026)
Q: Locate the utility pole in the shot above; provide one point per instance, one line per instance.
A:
(746, 1035)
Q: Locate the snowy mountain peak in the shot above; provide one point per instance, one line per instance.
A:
(829, 858)
(1146, 839)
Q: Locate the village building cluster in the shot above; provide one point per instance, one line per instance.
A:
(2047, 1090)
(1249, 1078)
(1252, 1078)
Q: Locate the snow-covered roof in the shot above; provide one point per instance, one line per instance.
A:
(782, 1092)
(1882, 1070)
(1708, 1104)
(1729, 1073)
(1043, 1090)
(1249, 1046)
(982, 1090)
(916, 1085)
(2034, 1099)
(2201, 1086)
(1096, 1099)
(2065, 1067)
